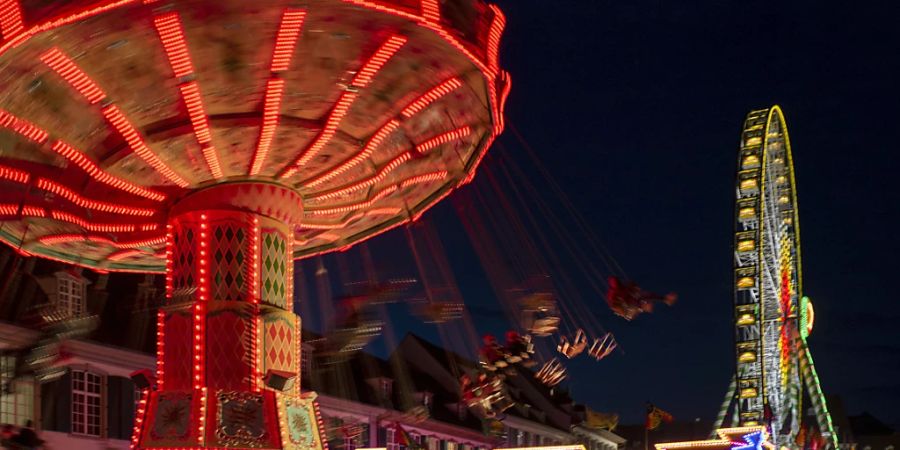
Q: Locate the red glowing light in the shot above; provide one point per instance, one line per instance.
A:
(33, 211)
(99, 227)
(138, 146)
(286, 40)
(494, 33)
(12, 174)
(69, 71)
(10, 18)
(367, 150)
(271, 114)
(123, 254)
(431, 10)
(190, 92)
(9, 209)
(433, 94)
(424, 178)
(82, 161)
(65, 238)
(361, 80)
(359, 185)
(353, 206)
(23, 127)
(68, 194)
(172, 36)
(377, 61)
(443, 138)
(334, 118)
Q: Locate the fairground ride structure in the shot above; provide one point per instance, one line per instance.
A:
(216, 141)
(772, 318)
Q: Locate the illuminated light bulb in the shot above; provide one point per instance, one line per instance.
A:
(745, 282)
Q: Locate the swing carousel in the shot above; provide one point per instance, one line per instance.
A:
(214, 143)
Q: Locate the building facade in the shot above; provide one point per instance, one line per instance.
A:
(410, 399)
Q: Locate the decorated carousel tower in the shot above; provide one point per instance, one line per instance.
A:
(216, 141)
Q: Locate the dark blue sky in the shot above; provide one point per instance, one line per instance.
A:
(636, 110)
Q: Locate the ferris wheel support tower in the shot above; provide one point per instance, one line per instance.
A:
(772, 317)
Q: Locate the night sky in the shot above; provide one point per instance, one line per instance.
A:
(636, 108)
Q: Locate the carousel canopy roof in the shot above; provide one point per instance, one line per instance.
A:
(111, 111)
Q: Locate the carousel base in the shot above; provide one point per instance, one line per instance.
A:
(229, 419)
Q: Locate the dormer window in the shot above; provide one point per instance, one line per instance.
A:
(70, 295)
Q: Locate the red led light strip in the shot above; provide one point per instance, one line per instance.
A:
(9, 209)
(271, 114)
(254, 300)
(359, 185)
(377, 61)
(353, 206)
(199, 348)
(424, 178)
(66, 238)
(89, 166)
(12, 174)
(429, 97)
(286, 40)
(138, 146)
(33, 211)
(345, 223)
(68, 194)
(190, 93)
(431, 10)
(32, 132)
(418, 179)
(139, 417)
(331, 124)
(23, 127)
(127, 253)
(361, 80)
(69, 71)
(379, 136)
(498, 23)
(101, 227)
(168, 25)
(367, 150)
(429, 144)
(10, 18)
(171, 34)
(443, 138)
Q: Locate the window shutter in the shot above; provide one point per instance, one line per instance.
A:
(56, 404)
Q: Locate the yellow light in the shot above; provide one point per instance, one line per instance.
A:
(781, 179)
(748, 393)
(746, 245)
(747, 357)
(753, 141)
(746, 319)
(746, 213)
(748, 184)
(745, 282)
(751, 161)
(751, 423)
(783, 199)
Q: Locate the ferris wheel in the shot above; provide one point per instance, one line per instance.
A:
(774, 373)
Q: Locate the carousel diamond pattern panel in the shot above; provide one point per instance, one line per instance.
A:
(279, 350)
(274, 261)
(227, 356)
(185, 246)
(229, 273)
